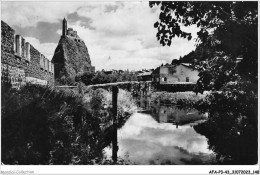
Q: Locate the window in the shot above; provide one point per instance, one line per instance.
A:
(164, 79)
(187, 79)
(172, 71)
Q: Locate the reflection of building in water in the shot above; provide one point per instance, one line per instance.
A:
(145, 103)
(175, 115)
(168, 113)
(163, 118)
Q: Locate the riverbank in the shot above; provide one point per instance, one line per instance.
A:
(100, 100)
(46, 126)
(188, 98)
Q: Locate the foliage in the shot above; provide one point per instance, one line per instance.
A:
(175, 61)
(41, 125)
(233, 123)
(126, 104)
(227, 29)
(86, 78)
(178, 98)
(202, 52)
(101, 77)
(120, 161)
(100, 101)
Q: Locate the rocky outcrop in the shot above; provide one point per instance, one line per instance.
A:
(71, 57)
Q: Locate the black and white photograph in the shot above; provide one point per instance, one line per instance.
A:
(130, 83)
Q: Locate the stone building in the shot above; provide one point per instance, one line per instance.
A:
(145, 76)
(175, 74)
(21, 63)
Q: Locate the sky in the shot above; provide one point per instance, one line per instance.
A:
(118, 34)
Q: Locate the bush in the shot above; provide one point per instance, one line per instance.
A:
(100, 100)
(100, 77)
(177, 98)
(41, 125)
(232, 126)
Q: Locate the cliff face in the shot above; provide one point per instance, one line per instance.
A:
(71, 57)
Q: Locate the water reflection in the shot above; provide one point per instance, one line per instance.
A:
(170, 114)
(148, 142)
(163, 134)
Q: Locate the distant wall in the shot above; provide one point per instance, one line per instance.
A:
(21, 62)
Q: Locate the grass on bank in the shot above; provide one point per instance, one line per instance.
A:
(188, 98)
(45, 126)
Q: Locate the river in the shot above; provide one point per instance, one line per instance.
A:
(161, 134)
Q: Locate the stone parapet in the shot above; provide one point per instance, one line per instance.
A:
(17, 54)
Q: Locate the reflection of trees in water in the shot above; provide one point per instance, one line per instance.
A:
(233, 142)
(169, 113)
(232, 126)
(231, 132)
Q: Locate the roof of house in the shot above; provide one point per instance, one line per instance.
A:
(189, 65)
(156, 71)
(186, 64)
(144, 74)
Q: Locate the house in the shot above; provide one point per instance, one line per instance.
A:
(145, 76)
(108, 72)
(175, 74)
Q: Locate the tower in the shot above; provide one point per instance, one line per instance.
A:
(64, 27)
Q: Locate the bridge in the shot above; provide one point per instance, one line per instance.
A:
(114, 84)
(141, 87)
(135, 87)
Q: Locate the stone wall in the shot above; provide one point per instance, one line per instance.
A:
(17, 54)
(12, 76)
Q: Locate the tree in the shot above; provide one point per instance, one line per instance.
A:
(87, 77)
(227, 29)
(175, 61)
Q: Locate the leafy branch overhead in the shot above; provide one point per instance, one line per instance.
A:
(206, 15)
(227, 31)
(227, 58)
